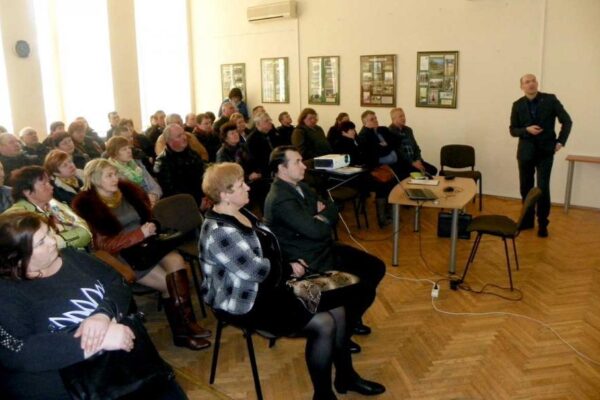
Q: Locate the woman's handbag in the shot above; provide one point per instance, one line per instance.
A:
(383, 173)
(113, 374)
(148, 253)
(309, 288)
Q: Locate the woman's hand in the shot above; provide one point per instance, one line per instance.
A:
(153, 199)
(148, 229)
(118, 337)
(92, 331)
(298, 268)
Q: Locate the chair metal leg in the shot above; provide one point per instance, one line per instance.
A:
(363, 205)
(356, 205)
(515, 250)
(417, 222)
(250, 345)
(215, 357)
(508, 263)
(471, 255)
(480, 194)
(196, 264)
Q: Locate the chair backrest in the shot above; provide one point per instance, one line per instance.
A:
(532, 197)
(179, 212)
(457, 156)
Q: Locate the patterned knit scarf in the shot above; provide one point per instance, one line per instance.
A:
(130, 171)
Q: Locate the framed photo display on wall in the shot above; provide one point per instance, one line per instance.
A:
(233, 76)
(378, 81)
(324, 80)
(274, 80)
(437, 79)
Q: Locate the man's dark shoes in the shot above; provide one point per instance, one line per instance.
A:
(353, 347)
(526, 225)
(360, 385)
(361, 329)
(543, 231)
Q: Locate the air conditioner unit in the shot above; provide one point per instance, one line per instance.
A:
(279, 10)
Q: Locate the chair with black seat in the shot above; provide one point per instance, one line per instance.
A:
(502, 226)
(458, 157)
(343, 194)
(180, 212)
(222, 322)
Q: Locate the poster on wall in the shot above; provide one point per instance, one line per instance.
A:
(233, 76)
(274, 80)
(437, 78)
(378, 81)
(324, 80)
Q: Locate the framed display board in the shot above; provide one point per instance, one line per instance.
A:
(233, 76)
(437, 79)
(324, 80)
(274, 80)
(378, 81)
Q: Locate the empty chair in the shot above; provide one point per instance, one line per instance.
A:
(502, 226)
(457, 157)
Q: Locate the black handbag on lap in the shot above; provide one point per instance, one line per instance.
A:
(114, 374)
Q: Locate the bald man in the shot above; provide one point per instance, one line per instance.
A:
(532, 120)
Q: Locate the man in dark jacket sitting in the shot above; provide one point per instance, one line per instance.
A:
(303, 225)
(178, 168)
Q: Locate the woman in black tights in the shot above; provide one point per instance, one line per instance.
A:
(245, 284)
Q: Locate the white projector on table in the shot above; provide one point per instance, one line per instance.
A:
(331, 161)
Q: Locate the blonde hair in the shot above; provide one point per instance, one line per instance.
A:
(92, 172)
(235, 116)
(220, 178)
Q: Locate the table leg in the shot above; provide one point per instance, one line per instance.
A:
(569, 185)
(453, 241)
(396, 237)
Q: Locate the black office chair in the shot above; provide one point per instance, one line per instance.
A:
(181, 212)
(458, 157)
(502, 226)
(222, 321)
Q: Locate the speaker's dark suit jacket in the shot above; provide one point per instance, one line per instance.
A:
(542, 145)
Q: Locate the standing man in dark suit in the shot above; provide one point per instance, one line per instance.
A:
(303, 225)
(532, 120)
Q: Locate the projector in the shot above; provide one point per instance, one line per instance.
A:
(332, 161)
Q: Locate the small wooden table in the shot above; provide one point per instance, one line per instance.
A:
(464, 191)
(572, 159)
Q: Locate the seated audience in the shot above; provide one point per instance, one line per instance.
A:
(243, 271)
(309, 137)
(113, 120)
(227, 109)
(346, 142)
(63, 141)
(207, 136)
(286, 129)
(194, 144)
(260, 144)
(242, 126)
(12, 156)
(32, 192)
(237, 99)
(190, 122)
(157, 124)
(55, 128)
(142, 147)
(119, 216)
(66, 179)
(44, 323)
(31, 144)
(378, 147)
(334, 131)
(211, 115)
(178, 169)
(77, 131)
(118, 150)
(409, 153)
(5, 192)
(91, 134)
(303, 224)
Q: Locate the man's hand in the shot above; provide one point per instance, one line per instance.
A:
(298, 269)
(558, 147)
(534, 130)
(254, 176)
(320, 206)
(419, 165)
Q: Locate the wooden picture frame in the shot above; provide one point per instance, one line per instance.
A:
(324, 80)
(275, 86)
(233, 75)
(378, 80)
(437, 79)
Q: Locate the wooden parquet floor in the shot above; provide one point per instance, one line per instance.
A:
(420, 353)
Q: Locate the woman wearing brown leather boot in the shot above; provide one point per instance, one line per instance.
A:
(120, 219)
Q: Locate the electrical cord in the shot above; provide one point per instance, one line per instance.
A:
(467, 288)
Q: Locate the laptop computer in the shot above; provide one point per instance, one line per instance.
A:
(420, 194)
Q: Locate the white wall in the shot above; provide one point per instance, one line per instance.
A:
(498, 42)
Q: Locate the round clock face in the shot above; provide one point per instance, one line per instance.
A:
(22, 48)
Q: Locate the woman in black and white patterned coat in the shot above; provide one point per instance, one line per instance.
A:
(245, 284)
